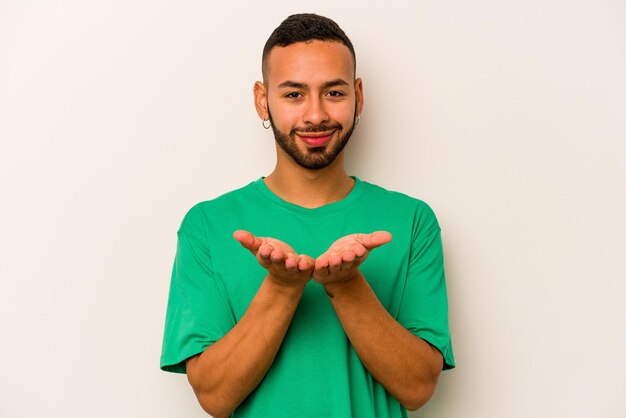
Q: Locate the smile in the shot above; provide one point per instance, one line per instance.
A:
(315, 139)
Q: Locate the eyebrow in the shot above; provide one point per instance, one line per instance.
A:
(327, 84)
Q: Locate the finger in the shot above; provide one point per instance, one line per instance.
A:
(291, 262)
(321, 264)
(374, 240)
(265, 251)
(247, 240)
(359, 250)
(349, 256)
(320, 272)
(334, 260)
(306, 263)
(277, 256)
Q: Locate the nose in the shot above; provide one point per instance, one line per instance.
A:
(315, 113)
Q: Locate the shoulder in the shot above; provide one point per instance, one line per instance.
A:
(396, 198)
(403, 205)
(207, 211)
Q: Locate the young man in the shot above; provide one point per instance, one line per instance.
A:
(316, 316)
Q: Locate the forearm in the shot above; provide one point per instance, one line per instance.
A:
(230, 369)
(407, 366)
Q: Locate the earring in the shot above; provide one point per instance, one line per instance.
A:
(269, 124)
(357, 120)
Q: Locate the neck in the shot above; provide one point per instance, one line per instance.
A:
(310, 188)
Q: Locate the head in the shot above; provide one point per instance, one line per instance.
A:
(304, 27)
(309, 91)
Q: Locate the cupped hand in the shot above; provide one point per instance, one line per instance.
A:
(283, 264)
(342, 259)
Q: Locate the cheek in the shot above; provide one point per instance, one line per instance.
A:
(344, 113)
(284, 116)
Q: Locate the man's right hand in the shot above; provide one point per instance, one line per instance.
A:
(283, 264)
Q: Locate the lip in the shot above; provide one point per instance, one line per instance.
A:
(315, 139)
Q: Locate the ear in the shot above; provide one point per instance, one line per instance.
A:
(260, 100)
(358, 91)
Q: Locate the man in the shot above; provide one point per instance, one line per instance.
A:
(361, 329)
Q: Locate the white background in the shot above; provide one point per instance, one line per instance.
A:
(507, 117)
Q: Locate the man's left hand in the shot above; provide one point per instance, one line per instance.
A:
(343, 258)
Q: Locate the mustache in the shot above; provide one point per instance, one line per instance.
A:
(317, 128)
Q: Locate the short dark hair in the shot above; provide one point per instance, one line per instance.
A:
(305, 27)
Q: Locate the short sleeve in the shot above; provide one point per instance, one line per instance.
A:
(424, 307)
(197, 314)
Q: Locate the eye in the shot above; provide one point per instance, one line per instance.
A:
(335, 93)
(293, 95)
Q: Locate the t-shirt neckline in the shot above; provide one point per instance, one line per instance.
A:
(262, 189)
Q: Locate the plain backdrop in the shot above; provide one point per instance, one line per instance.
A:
(508, 118)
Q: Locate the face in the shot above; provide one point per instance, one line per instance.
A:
(311, 99)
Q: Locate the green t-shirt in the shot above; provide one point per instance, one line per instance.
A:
(316, 372)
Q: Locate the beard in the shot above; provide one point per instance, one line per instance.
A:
(312, 158)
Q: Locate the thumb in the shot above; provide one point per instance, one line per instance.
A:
(375, 239)
(247, 240)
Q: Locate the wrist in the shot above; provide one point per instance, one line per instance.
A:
(347, 285)
(282, 288)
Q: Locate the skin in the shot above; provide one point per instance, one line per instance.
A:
(310, 87)
(326, 94)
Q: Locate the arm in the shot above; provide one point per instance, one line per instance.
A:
(224, 374)
(407, 366)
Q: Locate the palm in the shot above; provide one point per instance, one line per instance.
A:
(342, 259)
(281, 261)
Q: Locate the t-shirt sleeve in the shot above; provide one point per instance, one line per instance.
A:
(424, 307)
(197, 314)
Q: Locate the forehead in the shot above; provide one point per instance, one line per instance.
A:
(310, 63)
